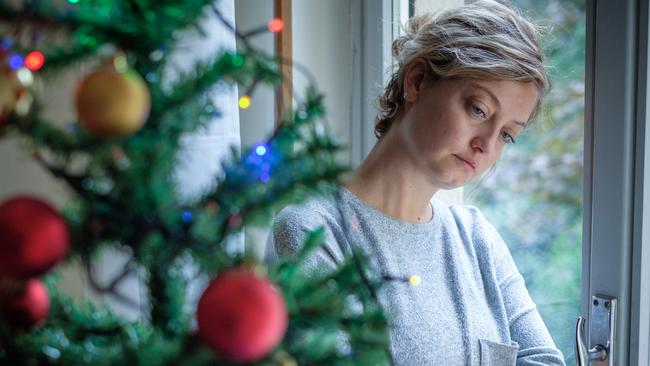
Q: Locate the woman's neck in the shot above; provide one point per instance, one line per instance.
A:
(388, 181)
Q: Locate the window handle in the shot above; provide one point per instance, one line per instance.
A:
(602, 328)
(584, 355)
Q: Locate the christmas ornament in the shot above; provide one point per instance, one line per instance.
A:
(33, 237)
(24, 304)
(15, 96)
(113, 100)
(241, 315)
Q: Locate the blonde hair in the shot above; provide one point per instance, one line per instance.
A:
(484, 40)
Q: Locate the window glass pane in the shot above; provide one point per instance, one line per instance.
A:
(534, 193)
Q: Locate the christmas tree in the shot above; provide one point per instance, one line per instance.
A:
(119, 158)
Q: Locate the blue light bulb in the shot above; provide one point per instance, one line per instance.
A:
(16, 61)
(186, 216)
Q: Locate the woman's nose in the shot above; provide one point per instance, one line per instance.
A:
(477, 145)
(485, 139)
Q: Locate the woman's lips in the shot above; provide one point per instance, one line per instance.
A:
(467, 163)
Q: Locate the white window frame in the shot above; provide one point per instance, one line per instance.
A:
(616, 182)
(371, 64)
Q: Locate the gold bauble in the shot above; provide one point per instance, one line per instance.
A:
(112, 103)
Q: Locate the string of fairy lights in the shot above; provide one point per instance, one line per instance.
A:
(35, 60)
(274, 25)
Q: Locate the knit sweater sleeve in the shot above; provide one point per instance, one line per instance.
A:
(290, 230)
(536, 347)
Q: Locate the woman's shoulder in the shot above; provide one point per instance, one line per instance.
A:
(292, 224)
(461, 214)
(469, 221)
(480, 238)
(314, 211)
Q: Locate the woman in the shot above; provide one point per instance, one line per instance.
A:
(469, 81)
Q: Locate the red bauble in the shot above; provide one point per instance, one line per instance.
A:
(33, 237)
(241, 315)
(25, 305)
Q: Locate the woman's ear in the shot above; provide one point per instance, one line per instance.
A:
(414, 79)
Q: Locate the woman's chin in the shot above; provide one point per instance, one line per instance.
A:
(453, 184)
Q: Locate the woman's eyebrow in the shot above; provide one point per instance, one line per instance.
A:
(487, 91)
(494, 98)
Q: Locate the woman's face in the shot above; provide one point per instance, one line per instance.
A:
(456, 129)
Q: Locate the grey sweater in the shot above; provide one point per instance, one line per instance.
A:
(472, 306)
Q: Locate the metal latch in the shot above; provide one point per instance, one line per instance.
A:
(602, 329)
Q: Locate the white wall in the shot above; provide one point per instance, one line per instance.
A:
(422, 6)
(322, 42)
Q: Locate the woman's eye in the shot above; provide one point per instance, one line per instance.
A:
(507, 138)
(478, 111)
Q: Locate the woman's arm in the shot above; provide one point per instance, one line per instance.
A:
(536, 347)
(289, 231)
